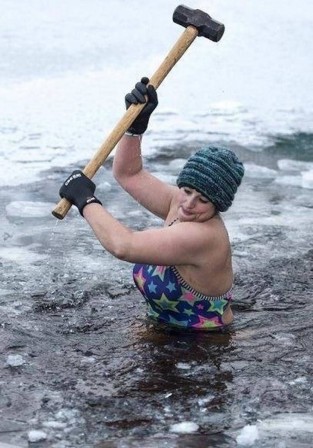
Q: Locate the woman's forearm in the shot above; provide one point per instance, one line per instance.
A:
(113, 235)
(127, 160)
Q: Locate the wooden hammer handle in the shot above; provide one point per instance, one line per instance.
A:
(131, 113)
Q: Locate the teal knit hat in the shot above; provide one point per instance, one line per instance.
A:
(215, 172)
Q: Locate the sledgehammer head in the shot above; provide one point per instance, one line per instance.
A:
(205, 25)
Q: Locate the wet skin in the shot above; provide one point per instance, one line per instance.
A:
(193, 206)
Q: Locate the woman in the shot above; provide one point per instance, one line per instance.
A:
(183, 270)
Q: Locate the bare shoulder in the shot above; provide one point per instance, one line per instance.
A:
(210, 268)
(203, 237)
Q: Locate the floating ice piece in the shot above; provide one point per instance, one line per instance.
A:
(292, 422)
(6, 445)
(279, 424)
(53, 424)
(170, 179)
(294, 181)
(68, 415)
(248, 435)
(174, 166)
(183, 366)
(28, 209)
(205, 400)
(184, 427)
(307, 179)
(36, 436)
(253, 170)
(105, 186)
(300, 380)
(285, 338)
(88, 360)
(15, 360)
(20, 255)
(294, 165)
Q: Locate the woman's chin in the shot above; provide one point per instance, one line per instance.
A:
(185, 216)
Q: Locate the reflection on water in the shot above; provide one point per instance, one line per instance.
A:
(184, 363)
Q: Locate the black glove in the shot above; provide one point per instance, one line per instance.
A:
(79, 190)
(136, 96)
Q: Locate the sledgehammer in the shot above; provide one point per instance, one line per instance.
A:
(197, 23)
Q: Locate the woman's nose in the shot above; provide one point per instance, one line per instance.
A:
(190, 202)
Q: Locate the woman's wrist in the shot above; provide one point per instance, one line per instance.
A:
(130, 134)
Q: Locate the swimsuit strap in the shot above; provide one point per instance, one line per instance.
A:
(173, 222)
(226, 295)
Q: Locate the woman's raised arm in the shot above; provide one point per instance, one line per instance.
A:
(128, 170)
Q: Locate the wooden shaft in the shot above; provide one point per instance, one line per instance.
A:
(132, 112)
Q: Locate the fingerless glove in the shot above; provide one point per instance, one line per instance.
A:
(79, 190)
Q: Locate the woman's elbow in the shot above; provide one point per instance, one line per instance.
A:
(118, 249)
(121, 178)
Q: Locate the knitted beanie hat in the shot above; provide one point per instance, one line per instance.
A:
(215, 172)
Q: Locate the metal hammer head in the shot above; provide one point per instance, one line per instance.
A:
(205, 25)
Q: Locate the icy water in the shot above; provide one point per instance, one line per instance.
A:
(79, 364)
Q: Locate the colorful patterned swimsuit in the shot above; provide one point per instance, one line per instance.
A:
(173, 301)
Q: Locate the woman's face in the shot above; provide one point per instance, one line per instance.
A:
(193, 206)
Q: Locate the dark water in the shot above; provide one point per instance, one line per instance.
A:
(94, 373)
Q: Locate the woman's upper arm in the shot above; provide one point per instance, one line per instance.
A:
(145, 188)
(177, 245)
(152, 193)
